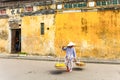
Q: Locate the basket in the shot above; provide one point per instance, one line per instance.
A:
(80, 63)
(60, 65)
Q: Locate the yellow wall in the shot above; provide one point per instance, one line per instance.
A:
(3, 35)
(96, 34)
(32, 40)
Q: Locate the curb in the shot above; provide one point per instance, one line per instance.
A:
(50, 58)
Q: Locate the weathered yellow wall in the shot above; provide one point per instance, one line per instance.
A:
(32, 40)
(96, 34)
(3, 35)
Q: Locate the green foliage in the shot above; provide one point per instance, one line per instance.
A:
(23, 53)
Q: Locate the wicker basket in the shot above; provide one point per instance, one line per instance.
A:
(60, 66)
(80, 63)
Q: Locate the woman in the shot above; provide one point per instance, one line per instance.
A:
(70, 55)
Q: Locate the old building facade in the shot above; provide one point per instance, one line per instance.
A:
(44, 26)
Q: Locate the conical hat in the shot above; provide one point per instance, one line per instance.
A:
(71, 44)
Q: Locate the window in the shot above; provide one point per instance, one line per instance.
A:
(3, 12)
(98, 3)
(42, 28)
(75, 5)
(66, 5)
(107, 2)
(29, 9)
(103, 3)
(79, 5)
(114, 1)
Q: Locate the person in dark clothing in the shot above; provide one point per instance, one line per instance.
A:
(17, 44)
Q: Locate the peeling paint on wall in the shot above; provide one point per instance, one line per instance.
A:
(95, 33)
(3, 35)
(33, 41)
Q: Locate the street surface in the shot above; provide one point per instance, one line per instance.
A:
(17, 69)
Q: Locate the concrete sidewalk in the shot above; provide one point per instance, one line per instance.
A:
(51, 58)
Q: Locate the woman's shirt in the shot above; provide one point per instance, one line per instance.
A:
(70, 52)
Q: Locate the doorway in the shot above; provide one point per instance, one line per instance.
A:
(15, 40)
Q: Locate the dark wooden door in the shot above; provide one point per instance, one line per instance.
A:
(15, 34)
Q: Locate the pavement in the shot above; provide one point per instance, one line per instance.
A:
(51, 58)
